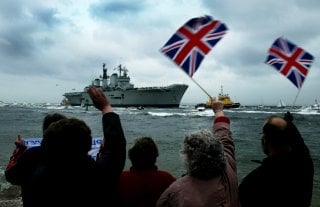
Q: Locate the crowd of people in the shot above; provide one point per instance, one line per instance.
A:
(61, 173)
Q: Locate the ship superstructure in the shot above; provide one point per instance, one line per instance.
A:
(121, 92)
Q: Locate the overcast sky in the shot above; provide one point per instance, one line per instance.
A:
(48, 48)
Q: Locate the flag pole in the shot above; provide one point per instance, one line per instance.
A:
(295, 99)
(201, 87)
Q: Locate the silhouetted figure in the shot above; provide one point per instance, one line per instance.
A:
(24, 161)
(67, 175)
(143, 184)
(285, 177)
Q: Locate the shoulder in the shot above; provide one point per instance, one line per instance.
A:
(164, 177)
(36, 149)
(126, 173)
(33, 153)
(165, 174)
(181, 183)
(256, 176)
(173, 194)
(129, 177)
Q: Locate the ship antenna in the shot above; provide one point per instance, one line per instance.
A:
(105, 75)
(221, 90)
(120, 69)
(125, 70)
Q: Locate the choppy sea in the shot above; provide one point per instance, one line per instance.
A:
(168, 127)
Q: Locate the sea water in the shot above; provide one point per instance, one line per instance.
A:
(167, 127)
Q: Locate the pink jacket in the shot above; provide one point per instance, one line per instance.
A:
(219, 191)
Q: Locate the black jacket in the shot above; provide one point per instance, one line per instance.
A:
(279, 181)
(74, 183)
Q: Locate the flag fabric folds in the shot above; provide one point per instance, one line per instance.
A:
(189, 45)
(290, 60)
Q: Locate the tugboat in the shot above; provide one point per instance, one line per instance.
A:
(122, 93)
(224, 98)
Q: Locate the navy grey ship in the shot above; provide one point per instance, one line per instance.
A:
(122, 93)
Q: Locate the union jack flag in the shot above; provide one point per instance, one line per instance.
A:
(188, 46)
(290, 60)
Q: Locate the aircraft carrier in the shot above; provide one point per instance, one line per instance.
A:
(122, 93)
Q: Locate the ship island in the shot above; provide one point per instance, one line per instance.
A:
(222, 97)
(122, 93)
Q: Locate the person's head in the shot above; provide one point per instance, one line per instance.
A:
(68, 138)
(276, 138)
(281, 136)
(143, 154)
(203, 155)
(51, 118)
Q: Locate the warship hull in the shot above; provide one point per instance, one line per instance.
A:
(169, 96)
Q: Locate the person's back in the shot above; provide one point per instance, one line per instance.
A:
(24, 161)
(281, 181)
(67, 175)
(66, 170)
(211, 178)
(143, 184)
(285, 177)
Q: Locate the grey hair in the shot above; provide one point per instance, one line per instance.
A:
(203, 155)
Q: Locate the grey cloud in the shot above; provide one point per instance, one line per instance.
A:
(19, 37)
(13, 13)
(9, 11)
(47, 16)
(16, 44)
(109, 10)
(310, 5)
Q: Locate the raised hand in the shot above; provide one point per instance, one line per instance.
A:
(99, 99)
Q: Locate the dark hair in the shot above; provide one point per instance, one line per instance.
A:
(67, 138)
(51, 118)
(144, 153)
(204, 155)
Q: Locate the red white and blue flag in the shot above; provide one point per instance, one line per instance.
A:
(290, 60)
(189, 45)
